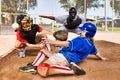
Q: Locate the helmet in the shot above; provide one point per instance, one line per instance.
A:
(23, 19)
(19, 18)
(90, 28)
(71, 11)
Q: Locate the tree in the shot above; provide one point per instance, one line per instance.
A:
(116, 6)
(13, 6)
(79, 4)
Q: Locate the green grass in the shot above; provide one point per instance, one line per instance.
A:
(109, 29)
(55, 28)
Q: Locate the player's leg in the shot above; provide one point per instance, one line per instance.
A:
(41, 56)
(31, 67)
(57, 64)
(21, 47)
(45, 69)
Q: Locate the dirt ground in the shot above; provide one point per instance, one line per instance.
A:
(95, 69)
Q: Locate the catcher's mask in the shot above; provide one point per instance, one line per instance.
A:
(25, 22)
(72, 12)
(90, 29)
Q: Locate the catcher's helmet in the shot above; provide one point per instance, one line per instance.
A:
(72, 12)
(19, 18)
(24, 19)
(90, 28)
(72, 9)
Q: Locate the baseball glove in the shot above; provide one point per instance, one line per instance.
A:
(61, 35)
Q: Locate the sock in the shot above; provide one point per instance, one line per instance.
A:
(40, 57)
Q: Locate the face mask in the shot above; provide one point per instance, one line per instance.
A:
(72, 15)
(26, 27)
(26, 23)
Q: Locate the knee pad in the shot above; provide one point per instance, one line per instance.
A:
(43, 69)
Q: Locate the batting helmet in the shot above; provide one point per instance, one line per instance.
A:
(90, 28)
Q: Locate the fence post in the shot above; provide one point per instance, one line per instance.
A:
(0, 17)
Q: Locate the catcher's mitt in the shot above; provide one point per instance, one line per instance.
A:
(61, 35)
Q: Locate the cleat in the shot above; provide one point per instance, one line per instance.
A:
(22, 55)
(76, 69)
(29, 69)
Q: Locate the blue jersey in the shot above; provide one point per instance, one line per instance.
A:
(79, 48)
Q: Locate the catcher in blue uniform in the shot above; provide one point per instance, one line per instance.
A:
(72, 53)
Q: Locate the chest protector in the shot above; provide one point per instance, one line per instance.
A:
(72, 24)
(30, 35)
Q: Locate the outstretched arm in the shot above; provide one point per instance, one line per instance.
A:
(57, 43)
(41, 46)
(100, 56)
(90, 19)
(49, 17)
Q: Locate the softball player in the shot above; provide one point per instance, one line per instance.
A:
(72, 53)
(26, 33)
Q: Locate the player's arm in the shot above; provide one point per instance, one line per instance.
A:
(87, 19)
(49, 17)
(98, 55)
(41, 46)
(95, 52)
(57, 43)
(19, 38)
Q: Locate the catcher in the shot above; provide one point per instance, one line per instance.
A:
(26, 33)
(70, 23)
(72, 53)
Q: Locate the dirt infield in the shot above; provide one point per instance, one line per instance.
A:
(96, 69)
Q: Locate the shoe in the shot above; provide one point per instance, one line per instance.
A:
(29, 64)
(29, 69)
(22, 53)
(76, 69)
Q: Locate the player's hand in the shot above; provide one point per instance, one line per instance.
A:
(48, 41)
(104, 59)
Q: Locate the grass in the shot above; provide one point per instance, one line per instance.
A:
(109, 29)
(55, 28)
